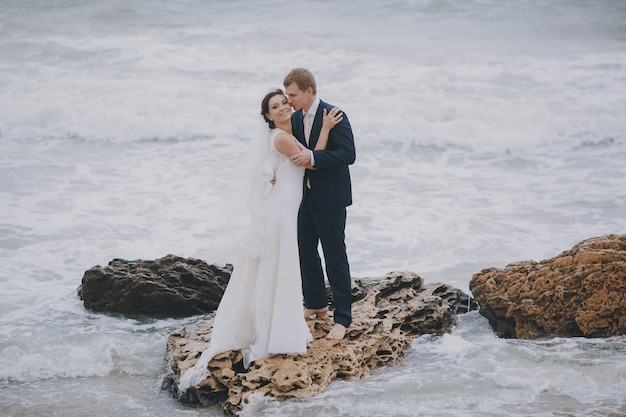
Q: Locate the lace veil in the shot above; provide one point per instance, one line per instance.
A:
(260, 173)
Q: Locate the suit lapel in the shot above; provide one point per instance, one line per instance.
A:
(298, 126)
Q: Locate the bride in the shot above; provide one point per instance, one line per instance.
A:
(261, 309)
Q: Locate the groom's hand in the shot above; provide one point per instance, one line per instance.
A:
(302, 158)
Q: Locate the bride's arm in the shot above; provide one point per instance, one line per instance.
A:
(287, 144)
(330, 120)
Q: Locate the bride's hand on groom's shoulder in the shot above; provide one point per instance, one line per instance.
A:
(332, 118)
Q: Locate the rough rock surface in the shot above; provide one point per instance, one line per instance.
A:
(387, 314)
(170, 285)
(581, 292)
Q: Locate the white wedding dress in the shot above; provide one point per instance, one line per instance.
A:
(261, 311)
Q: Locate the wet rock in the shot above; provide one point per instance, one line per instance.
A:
(387, 314)
(170, 285)
(581, 292)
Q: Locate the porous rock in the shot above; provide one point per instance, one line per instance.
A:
(387, 314)
(581, 292)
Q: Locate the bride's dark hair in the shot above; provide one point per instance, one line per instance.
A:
(265, 105)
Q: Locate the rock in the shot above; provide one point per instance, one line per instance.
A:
(170, 285)
(581, 292)
(387, 314)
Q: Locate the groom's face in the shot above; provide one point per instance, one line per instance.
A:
(299, 99)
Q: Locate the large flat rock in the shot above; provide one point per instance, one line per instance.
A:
(388, 313)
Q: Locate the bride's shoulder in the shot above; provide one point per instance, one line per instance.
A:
(280, 136)
(285, 143)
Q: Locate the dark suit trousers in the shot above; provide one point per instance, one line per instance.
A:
(328, 228)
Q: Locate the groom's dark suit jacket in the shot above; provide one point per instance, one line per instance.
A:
(330, 181)
(322, 215)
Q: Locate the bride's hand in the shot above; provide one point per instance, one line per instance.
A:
(332, 118)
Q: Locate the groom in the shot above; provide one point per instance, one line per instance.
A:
(327, 193)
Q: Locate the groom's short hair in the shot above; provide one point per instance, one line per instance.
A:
(303, 79)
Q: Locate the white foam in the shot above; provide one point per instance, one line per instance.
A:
(191, 82)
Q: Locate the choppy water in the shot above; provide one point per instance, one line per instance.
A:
(487, 132)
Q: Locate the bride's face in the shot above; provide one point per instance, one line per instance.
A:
(280, 110)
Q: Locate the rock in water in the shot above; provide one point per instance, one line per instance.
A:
(387, 314)
(581, 292)
(170, 285)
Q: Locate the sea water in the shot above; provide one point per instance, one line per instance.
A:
(487, 132)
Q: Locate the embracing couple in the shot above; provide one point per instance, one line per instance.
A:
(299, 200)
